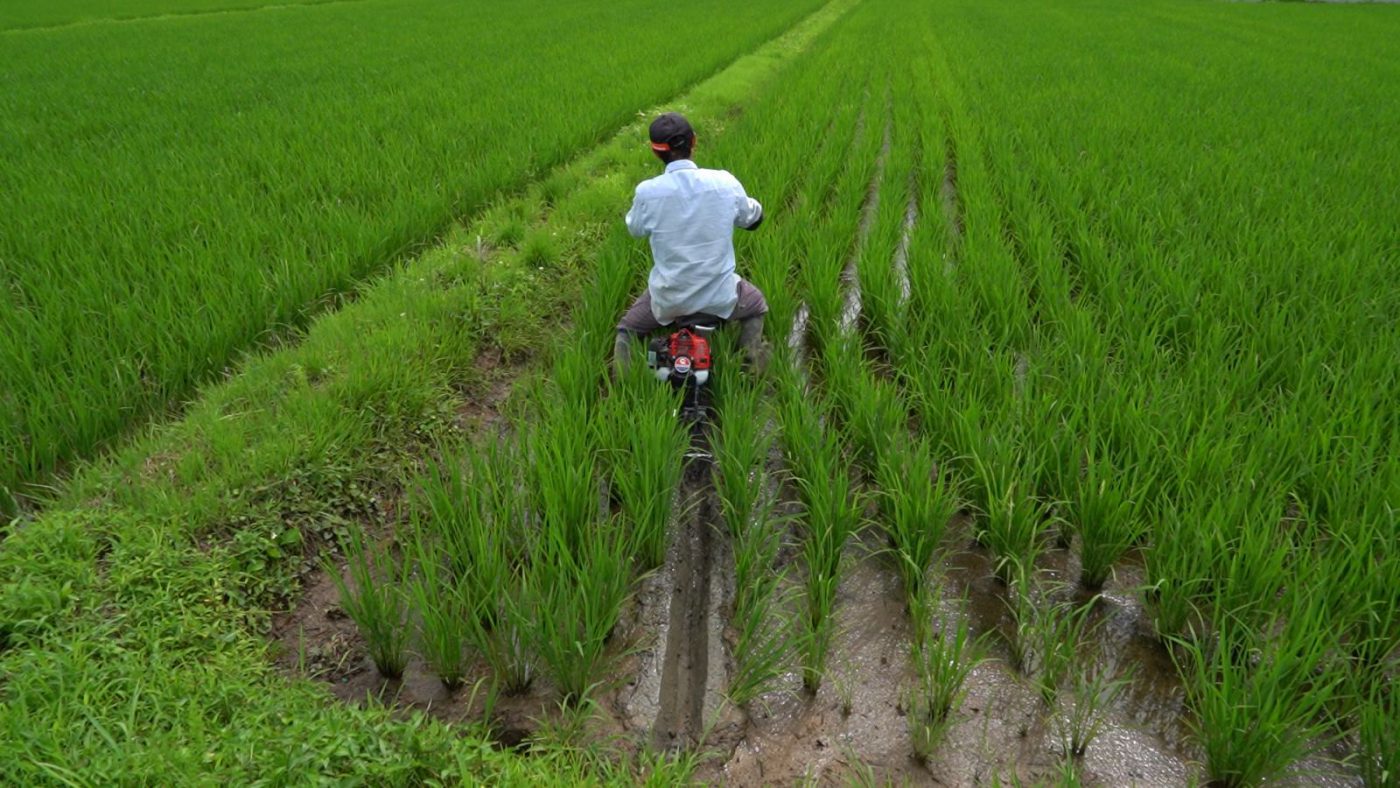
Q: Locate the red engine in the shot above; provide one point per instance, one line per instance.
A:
(683, 357)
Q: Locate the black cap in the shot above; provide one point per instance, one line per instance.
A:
(671, 131)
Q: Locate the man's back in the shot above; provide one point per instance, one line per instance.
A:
(690, 214)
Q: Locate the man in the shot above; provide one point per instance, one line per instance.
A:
(690, 214)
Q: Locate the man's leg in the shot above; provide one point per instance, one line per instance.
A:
(749, 312)
(638, 321)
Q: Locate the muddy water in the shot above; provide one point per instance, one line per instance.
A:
(670, 665)
(850, 276)
(855, 725)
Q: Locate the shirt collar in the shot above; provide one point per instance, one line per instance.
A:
(681, 164)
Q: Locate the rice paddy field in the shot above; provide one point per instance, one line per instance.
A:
(1077, 461)
(181, 187)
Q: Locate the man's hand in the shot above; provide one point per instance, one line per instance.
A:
(753, 214)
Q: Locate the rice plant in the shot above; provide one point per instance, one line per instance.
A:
(374, 599)
(1093, 689)
(482, 517)
(563, 463)
(472, 504)
(1108, 508)
(570, 602)
(917, 501)
(1048, 630)
(875, 418)
(647, 450)
(1260, 698)
(1059, 631)
(766, 635)
(1013, 526)
(1365, 599)
(943, 658)
(1177, 576)
(444, 612)
(741, 446)
(1378, 730)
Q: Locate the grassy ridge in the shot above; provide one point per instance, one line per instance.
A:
(190, 184)
(52, 13)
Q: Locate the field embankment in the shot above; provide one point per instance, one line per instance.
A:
(60, 13)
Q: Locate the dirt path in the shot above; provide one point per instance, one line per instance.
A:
(693, 673)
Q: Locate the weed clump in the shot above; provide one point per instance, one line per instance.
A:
(540, 249)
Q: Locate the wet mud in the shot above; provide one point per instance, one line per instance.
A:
(692, 664)
(671, 663)
(855, 727)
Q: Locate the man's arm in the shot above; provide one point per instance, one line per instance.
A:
(639, 217)
(748, 213)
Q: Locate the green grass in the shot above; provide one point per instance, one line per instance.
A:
(147, 671)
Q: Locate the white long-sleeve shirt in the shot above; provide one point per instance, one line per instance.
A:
(690, 215)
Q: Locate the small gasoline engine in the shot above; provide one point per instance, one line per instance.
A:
(683, 360)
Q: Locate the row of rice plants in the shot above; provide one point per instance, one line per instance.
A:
(553, 603)
(832, 512)
(814, 202)
(514, 557)
(916, 500)
(1051, 638)
(747, 492)
(974, 419)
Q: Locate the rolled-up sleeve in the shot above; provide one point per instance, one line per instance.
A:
(638, 218)
(747, 210)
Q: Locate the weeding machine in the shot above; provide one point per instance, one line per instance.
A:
(682, 358)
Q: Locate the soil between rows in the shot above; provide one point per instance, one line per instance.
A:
(670, 659)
